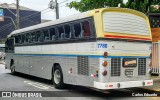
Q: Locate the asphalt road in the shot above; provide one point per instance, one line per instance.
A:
(21, 83)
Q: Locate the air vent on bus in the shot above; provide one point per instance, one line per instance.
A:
(83, 67)
(142, 66)
(115, 66)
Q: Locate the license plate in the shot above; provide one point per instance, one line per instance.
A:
(129, 62)
(129, 72)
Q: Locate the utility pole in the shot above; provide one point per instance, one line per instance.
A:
(17, 14)
(57, 10)
(54, 5)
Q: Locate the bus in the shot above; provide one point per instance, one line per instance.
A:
(106, 48)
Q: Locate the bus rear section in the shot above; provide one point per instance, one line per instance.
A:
(126, 48)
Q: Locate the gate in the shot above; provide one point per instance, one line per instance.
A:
(155, 58)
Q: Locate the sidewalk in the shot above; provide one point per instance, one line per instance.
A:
(156, 84)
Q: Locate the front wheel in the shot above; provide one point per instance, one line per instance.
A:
(57, 77)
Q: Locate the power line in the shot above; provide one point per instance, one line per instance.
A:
(9, 24)
(24, 18)
(31, 16)
(63, 1)
(34, 13)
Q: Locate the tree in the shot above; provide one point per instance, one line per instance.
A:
(140, 5)
(143, 5)
(137, 3)
(85, 5)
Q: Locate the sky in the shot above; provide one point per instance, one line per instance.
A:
(49, 14)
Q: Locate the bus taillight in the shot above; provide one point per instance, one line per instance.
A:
(104, 73)
(105, 54)
(105, 63)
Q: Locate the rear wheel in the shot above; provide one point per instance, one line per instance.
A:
(57, 77)
(12, 67)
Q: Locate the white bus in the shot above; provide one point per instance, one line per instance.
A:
(105, 48)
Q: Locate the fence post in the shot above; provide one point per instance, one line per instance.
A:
(159, 58)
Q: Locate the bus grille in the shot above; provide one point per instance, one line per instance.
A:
(142, 66)
(115, 66)
(83, 68)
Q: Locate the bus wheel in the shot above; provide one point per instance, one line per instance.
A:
(12, 68)
(57, 77)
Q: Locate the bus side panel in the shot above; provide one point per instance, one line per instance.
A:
(39, 60)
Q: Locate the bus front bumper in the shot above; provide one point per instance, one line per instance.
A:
(125, 84)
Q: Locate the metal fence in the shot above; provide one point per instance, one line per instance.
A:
(155, 58)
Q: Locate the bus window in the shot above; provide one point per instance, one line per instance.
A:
(39, 36)
(19, 39)
(67, 31)
(23, 38)
(16, 40)
(9, 45)
(61, 32)
(72, 33)
(86, 29)
(56, 33)
(28, 38)
(33, 37)
(77, 28)
(52, 33)
(46, 34)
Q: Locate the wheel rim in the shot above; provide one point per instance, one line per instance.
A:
(12, 69)
(57, 76)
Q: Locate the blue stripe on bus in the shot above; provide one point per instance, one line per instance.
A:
(75, 55)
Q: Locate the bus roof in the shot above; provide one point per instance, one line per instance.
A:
(62, 20)
(76, 17)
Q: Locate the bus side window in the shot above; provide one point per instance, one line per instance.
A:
(39, 36)
(56, 33)
(9, 45)
(33, 37)
(19, 39)
(52, 33)
(77, 28)
(16, 40)
(61, 32)
(23, 38)
(46, 34)
(28, 38)
(86, 28)
(67, 31)
(72, 33)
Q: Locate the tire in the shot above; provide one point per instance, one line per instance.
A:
(12, 68)
(57, 77)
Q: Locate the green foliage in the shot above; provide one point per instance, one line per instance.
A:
(85, 5)
(140, 5)
(143, 5)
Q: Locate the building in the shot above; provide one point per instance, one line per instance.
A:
(28, 17)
